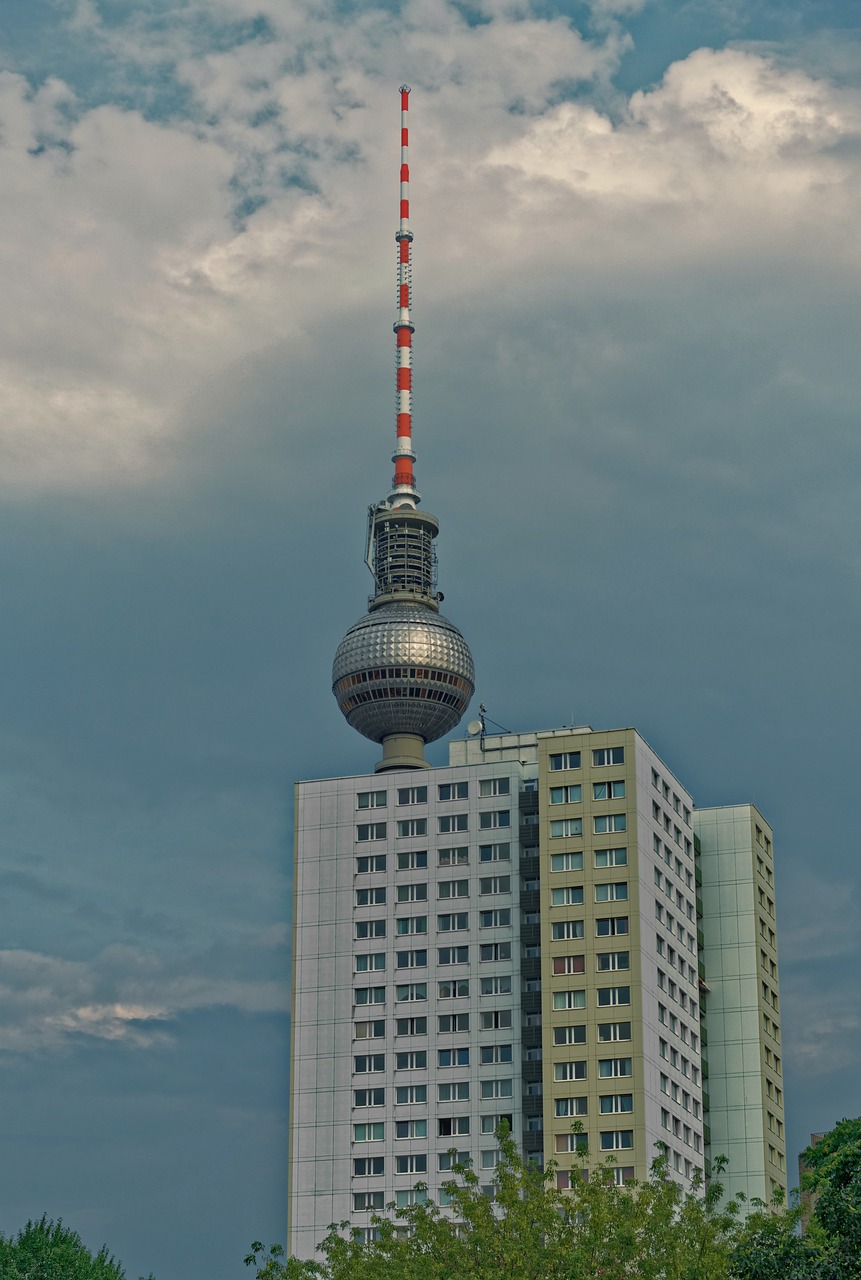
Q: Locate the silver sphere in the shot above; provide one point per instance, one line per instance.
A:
(403, 669)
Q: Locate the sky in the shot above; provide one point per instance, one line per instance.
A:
(636, 271)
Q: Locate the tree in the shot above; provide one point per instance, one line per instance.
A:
(46, 1250)
(529, 1230)
(834, 1173)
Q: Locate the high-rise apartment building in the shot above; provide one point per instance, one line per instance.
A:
(545, 930)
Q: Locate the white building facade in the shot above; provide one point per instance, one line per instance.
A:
(519, 935)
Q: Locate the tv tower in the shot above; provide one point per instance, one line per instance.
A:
(403, 674)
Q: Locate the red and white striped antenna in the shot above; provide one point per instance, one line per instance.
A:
(404, 491)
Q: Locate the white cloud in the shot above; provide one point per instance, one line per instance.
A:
(131, 288)
(121, 994)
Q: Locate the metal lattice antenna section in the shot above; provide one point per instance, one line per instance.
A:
(404, 486)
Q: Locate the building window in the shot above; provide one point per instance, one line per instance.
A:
(453, 1127)
(369, 1030)
(370, 962)
(453, 923)
(412, 795)
(569, 964)
(411, 959)
(608, 755)
(458, 857)
(614, 995)
(455, 1092)
(410, 1093)
(453, 989)
(494, 818)
(608, 790)
(411, 991)
(569, 999)
(566, 862)
(411, 1129)
(564, 760)
(412, 892)
(494, 852)
(411, 1164)
(370, 929)
(372, 862)
(449, 1022)
(453, 889)
(494, 884)
(369, 1062)
(494, 787)
(414, 860)
(608, 1031)
(565, 930)
(369, 1097)
(370, 831)
(608, 960)
(578, 1142)
(369, 1167)
(453, 790)
(495, 1018)
(562, 827)
(369, 1132)
(616, 1103)
(611, 927)
(490, 1124)
(572, 1107)
(404, 1199)
(371, 800)
(566, 795)
(411, 1026)
(498, 986)
(414, 1060)
(569, 1071)
(617, 1140)
(452, 1057)
(611, 857)
(446, 1161)
(450, 822)
(500, 918)
(607, 822)
(571, 896)
(493, 1053)
(408, 827)
(497, 1088)
(608, 1067)
(368, 1200)
(369, 995)
(569, 1035)
(411, 924)
(489, 951)
(453, 955)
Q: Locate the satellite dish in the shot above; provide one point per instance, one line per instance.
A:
(474, 726)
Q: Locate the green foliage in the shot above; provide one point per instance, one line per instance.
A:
(650, 1230)
(834, 1166)
(46, 1250)
(836, 1160)
(529, 1230)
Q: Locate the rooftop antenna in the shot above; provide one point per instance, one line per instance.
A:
(403, 487)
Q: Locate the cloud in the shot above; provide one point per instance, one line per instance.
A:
(123, 994)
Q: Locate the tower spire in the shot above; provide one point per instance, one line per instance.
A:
(403, 675)
(403, 486)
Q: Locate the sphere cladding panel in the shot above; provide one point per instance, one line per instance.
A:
(403, 669)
